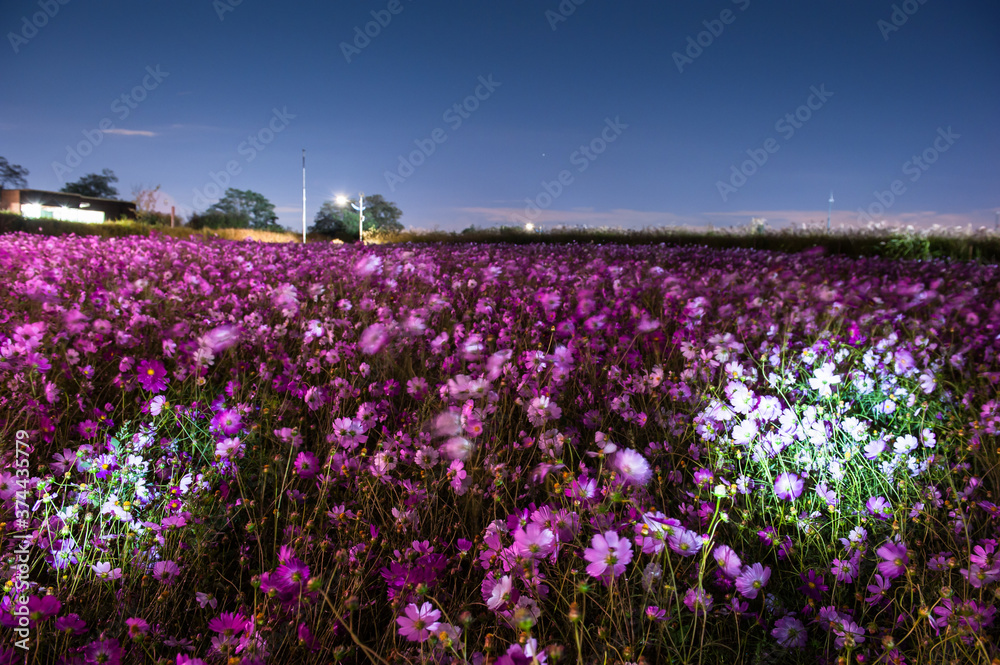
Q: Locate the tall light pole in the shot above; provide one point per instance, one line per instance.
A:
(303, 196)
(829, 212)
(360, 207)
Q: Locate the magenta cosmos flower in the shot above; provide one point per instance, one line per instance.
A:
(789, 632)
(228, 624)
(374, 338)
(152, 375)
(608, 555)
(633, 467)
(894, 559)
(788, 486)
(419, 623)
(752, 580)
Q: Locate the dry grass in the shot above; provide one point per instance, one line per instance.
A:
(251, 234)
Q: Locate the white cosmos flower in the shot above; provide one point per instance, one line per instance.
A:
(824, 379)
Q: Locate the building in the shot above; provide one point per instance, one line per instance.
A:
(38, 204)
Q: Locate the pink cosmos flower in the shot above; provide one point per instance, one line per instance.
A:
(291, 576)
(789, 632)
(788, 486)
(848, 632)
(727, 560)
(229, 448)
(534, 542)
(103, 571)
(108, 652)
(502, 595)
(894, 560)
(41, 608)
(541, 409)
(633, 467)
(752, 580)
(137, 627)
(71, 624)
(227, 421)
(306, 465)
(419, 623)
(684, 542)
(152, 375)
(228, 624)
(879, 507)
(373, 338)
(165, 571)
(698, 601)
(608, 556)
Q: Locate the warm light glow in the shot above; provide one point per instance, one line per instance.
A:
(529, 227)
(62, 213)
(341, 200)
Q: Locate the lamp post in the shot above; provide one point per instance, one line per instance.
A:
(829, 212)
(360, 207)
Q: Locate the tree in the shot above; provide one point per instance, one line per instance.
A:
(381, 215)
(250, 206)
(97, 185)
(12, 174)
(147, 201)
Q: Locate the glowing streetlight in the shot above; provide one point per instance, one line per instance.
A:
(342, 201)
(360, 207)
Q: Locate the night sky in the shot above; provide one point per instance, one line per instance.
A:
(587, 112)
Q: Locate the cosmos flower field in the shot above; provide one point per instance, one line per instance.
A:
(225, 452)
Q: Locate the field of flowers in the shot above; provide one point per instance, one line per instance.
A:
(234, 452)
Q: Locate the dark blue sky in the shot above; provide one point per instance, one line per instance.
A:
(659, 145)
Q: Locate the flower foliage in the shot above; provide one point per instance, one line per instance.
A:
(256, 453)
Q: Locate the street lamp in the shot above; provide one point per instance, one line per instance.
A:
(360, 207)
(829, 212)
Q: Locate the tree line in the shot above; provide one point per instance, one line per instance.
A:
(237, 209)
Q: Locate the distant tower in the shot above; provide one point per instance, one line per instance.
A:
(829, 212)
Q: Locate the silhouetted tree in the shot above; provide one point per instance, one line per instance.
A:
(12, 174)
(98, 185)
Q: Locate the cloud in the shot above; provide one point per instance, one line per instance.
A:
(130, 132)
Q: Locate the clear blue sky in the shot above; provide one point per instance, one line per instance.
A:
(671, 130)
